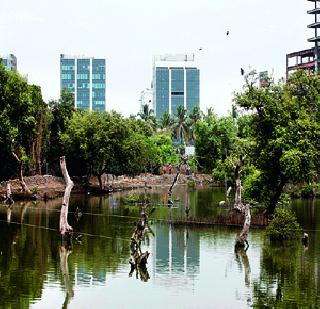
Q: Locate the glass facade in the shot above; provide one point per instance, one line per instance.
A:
(162, 91)
(193, 89)
(177, 89)
(176, 86)
(67, 74)
(85, 78)
(98, 84)
(83, 84)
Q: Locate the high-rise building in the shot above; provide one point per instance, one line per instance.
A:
(9, 62)
(86, 79)
(176, 82)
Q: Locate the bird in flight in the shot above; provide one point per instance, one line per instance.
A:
(200, 48)
(228, 32)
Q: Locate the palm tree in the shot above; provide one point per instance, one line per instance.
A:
(181, 126)
(146, 113)
(195, 115)
(166, 122)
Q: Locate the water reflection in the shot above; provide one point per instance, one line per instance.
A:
(184, 267)
(64, 252)
(243, 260)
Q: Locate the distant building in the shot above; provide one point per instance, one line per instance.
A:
(263, 79)
(146, 98)
(86, 79)
(9, 62)
(176, 82)
(303, 59)
(307, 59)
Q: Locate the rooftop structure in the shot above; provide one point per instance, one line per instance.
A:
(307, 59)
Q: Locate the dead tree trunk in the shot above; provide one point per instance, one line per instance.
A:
(20, 175)
(138, 259)
(64, 226)
(241, 239)
(237, 200)
(8, 196)
(184, 161)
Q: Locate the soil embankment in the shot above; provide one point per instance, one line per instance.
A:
(48, 186)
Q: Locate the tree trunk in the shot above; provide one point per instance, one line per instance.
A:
(241, 240)
(20, 175)
(64, 226)
(8, 196)
(100, 181)
(275, 198)
(238, 203)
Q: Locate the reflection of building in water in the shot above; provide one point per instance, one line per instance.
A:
(176, 250)
(88, 278)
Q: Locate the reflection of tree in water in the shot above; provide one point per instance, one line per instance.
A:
(243, 260)
(23, 263)
(289, 277)
(64, 251)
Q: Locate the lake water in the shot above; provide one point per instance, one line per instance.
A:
(188, 267)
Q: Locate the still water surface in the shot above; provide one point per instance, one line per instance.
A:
(188, 267)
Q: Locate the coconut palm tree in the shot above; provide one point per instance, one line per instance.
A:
(181, 126)
(147, 115)
(146, 112)
(166, 122)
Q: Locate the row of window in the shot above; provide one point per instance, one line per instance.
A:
(98, 76)
(98, 102)
(67, 76)
(67, 67)
(98, 86)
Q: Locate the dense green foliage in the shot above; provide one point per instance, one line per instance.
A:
(276, 127)
(283, 226)
(285, 130)
(22, 119)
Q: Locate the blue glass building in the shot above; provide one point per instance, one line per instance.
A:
(86, 79)
(176, 82)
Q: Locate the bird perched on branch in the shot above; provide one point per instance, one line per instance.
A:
(228, 32)
(242, 71)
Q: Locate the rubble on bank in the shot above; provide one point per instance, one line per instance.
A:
(49, 186)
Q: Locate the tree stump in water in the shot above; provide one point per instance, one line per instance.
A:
(64, 227)
(241, 239)
(139, 259)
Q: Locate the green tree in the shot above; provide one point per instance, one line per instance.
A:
(181, 127)
(285, 130)
(166, 122)
(60, 112)
(214, 140)
(21, 110)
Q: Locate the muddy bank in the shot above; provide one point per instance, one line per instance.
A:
(49, 186)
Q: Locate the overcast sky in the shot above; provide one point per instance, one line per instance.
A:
(128, 32)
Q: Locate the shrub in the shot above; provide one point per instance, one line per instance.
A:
(284, 225)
